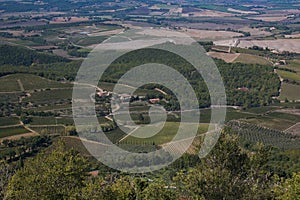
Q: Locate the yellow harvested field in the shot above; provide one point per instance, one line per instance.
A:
(293, 36)
(241, 11)
(209, 13)
(255, 31)
(291, 45)
(227, 57)
(213, 35)
(104, 33)
(269, 18)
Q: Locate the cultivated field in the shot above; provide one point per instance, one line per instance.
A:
(11, 83)
(241, 11)
(256, 32)
(252, 59)
(209, 13)
(63, 20)
(227, 57)
(290, 92)
(240, 58)
(8, 121)
(164, 136)
(272, 122)
(255, 134)
(50, 96)
(291, 45)
(11, 131)
(106, 33)
(294, 130)
(49, 130)
(293, 65)
(289, 75)
(269, 18)
(212, 35)
(293, 36)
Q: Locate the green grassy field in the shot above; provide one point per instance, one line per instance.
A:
(7, 121)
(237, 114)
(165, 135)
(252, 59)
(106, 86)
(285, 116)
(289, 75)
(87, 41)
(231, 114)
(8, 84)
(290, 92)
(10, 97)
(261, 110)
(293, 65)
(7, 132)
(115, 135)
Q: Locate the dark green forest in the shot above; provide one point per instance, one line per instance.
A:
(261, 82)
(20, 56)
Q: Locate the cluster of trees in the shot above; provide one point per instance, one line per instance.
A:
(228, 172)
(9, 104)
(19, 56)
(54, 71)
(11, 150)
(78, 53)
(262, 84)
(40, 113)
(6, 35)
(260, 81)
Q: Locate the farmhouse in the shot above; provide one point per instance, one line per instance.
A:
(154, 101)
(243, 89)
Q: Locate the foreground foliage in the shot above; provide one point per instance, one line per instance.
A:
(228, 172)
